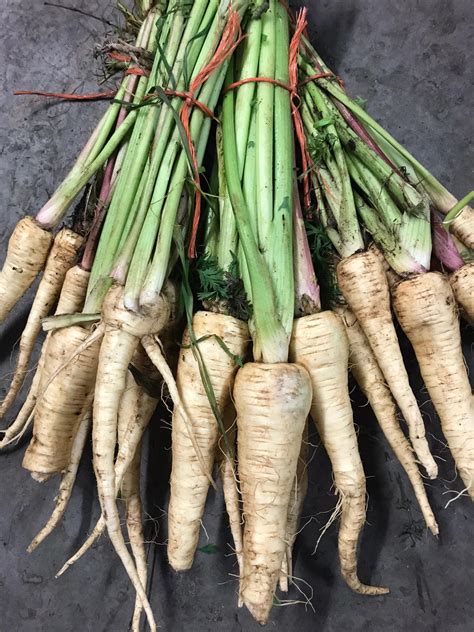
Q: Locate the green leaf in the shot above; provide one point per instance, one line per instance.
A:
(323, 122)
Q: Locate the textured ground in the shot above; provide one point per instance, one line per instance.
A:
(413, 62)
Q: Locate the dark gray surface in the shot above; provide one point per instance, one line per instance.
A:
(413, 61)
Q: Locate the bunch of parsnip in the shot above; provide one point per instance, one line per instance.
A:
(238, 87)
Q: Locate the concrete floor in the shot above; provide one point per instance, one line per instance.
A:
(413, 62)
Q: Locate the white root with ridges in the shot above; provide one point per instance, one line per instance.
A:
(189, 483)
(369, 377)
(319, 343)
(272, 402)
(295, 509)
(65, 384)
(226, 459)
(27, 251)
(145, 406)
(364, 286)
(426, 310)
(462, 284)
(61, 258)
(123, 331)
(67, 481)
(70, 301)
(130, 410)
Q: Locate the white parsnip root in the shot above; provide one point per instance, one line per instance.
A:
(363, 284)
(462, 284)
(27, 250)
(131, 408)
(226, 458)
(462, 227)
(319, 343)
(134, 397)
(123, 331)
(67, 481)
(426, 310)
(272, 402)
(61, 258)
(368, 376)
(65, 386)
(71, 300)
(189, 484)
(295, 508)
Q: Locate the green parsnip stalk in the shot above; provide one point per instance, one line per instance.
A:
(98, 149)
(136, 157)
(244, 112)
(347, 223)
(270, 339)
(157, 273)
(164, 149)
(264, 132)
(281, 243)
(167, 148)
(149, 266)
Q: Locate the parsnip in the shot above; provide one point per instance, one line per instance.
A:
(61, 258)
(133, 398)
(67, 481)
(123, 331)
(70, 301)
(227, 464)
(295, 508)
(272, 402)
(319, 343)
(363, 284)
(462, 284)
(61, 402)
(368, 376)
(189, 484)
(130, 409)
(27, 250)
(426, 310)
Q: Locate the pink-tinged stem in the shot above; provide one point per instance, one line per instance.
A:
(107, 186)
(362, 134)
(444, 247)
(132, 84)
(307, 293)
(99, 213)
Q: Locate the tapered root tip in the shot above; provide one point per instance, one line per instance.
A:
(260, 612)
(180, 567)
(432, 472)
(62, 570)
(40, 477)
(434, 528)
(362, 589)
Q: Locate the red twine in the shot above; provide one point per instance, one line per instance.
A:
(93, 96)
(126, 59)
(306, 161)
(242, 82)
(231, 38)
(292, 88)
(187, 96)
(68, 97)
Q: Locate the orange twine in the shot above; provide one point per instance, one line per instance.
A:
(92, 96)
(292, 88)
(306, 161)
(69, 97)
(132, 70)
